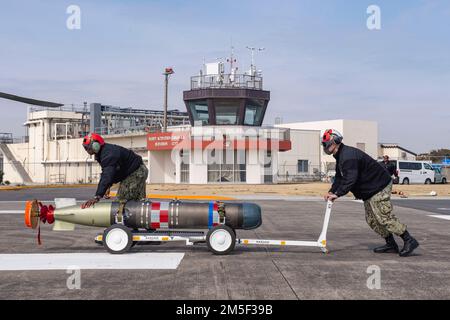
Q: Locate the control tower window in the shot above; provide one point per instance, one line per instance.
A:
(199, 110)
(253, 113)
(227, 112)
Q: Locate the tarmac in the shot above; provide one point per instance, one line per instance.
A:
(350, 271)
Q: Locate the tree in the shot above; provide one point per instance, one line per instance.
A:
(437, 156)
(440, 153)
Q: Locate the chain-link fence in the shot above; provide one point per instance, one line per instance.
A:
(302, 172)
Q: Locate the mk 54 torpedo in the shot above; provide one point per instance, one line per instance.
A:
(139, 222)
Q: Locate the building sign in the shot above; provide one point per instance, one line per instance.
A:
(165, 140)
(182, 140)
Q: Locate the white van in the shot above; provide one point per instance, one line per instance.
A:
(414, 172)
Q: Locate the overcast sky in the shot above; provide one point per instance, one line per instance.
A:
(321, 61)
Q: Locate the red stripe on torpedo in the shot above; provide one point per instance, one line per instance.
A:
(156, 206)
(154, 225)
(164, 216)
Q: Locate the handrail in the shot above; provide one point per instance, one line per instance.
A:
(227, 81)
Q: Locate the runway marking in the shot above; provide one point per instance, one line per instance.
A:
(11, 211)
(64, 261)
(445, 217)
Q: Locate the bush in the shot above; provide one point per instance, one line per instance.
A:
(1, 177)
(7, 182)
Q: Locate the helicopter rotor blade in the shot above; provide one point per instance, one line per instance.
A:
(33, 102)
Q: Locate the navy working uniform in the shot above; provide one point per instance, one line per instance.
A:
(121, 165)
(357, 172)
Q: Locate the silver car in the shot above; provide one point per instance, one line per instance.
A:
(439, 177)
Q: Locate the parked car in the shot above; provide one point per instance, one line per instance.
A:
(414, 172)
(438, 176)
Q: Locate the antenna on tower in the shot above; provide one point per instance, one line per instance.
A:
(253, 66)
(232, 61)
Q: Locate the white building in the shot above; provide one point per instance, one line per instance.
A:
(395, 152)
(54, 151)
(357, 133)
(216, 154)
(303, 161)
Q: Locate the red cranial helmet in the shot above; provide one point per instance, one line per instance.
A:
(331, 136)
(93, 142)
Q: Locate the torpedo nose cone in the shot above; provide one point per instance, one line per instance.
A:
(251, 215)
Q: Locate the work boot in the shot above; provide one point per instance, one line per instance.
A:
(390, 246)
(410, 244)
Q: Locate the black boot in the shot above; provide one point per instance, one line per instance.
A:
(390, 246)
(410, 244)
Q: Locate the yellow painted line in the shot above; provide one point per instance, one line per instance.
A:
(283, 243)
(181, 197)
(113, 194)
(165, 238)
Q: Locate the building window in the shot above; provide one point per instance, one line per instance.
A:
(253, 112)
(227, 111)
(227, 166)
(361, 146)
(184, 166)
(302, 166)
(199, 111)
(268, 174)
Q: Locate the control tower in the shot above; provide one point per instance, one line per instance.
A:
(218, 98)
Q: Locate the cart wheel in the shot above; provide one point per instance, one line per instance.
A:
(221, 240)
(117, 239)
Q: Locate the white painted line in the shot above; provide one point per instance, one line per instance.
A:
(445, 209)
(445, 217)
(64, 261)
(11, 211)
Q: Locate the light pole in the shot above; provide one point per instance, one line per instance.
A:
(167, 72)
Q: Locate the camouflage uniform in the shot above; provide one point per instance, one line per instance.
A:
(133, 186)
(379, 214)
